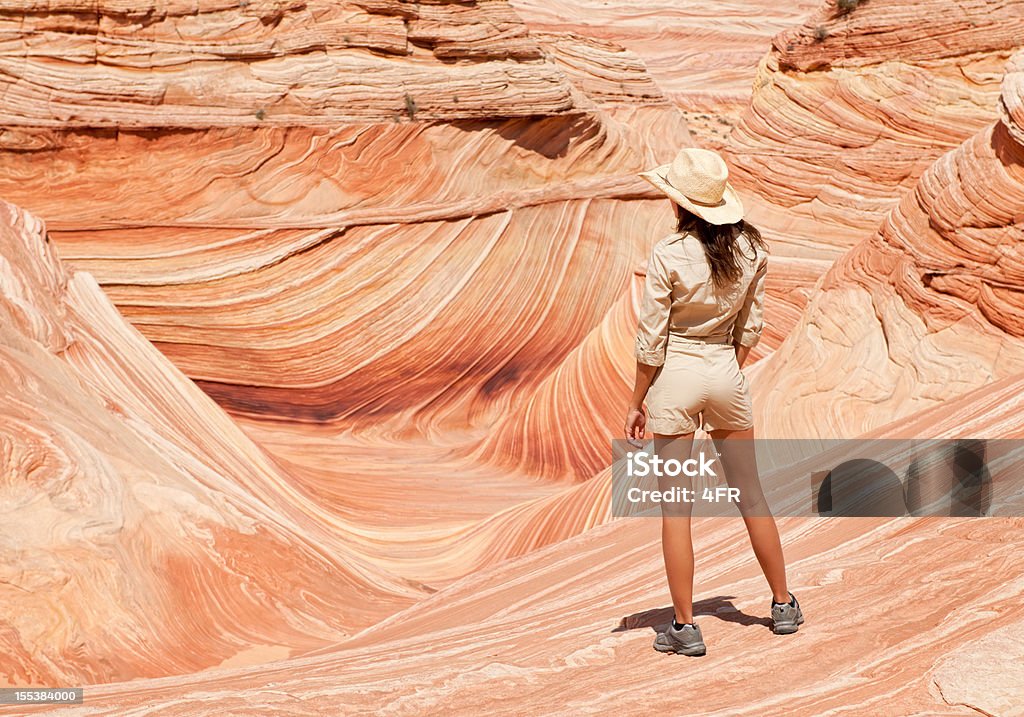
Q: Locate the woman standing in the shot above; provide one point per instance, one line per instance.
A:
(701, 315)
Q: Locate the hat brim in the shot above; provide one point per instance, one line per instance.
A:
(727, 211)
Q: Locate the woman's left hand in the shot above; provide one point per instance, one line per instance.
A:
(636, 424)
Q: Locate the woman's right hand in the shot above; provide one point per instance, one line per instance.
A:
(636, 425)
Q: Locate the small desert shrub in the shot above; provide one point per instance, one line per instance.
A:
(847, 5)
(410, 106)
(820, 33)
(261, 113)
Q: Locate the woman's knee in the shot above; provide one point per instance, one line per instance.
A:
(753, 504)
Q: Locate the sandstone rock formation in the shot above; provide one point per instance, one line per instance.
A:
(703, 56)
(143, 533)
(529, 611)
(266, 62)
(851, 107)
(400, 246)
(240, 277)
(295, 246)
(925, 310)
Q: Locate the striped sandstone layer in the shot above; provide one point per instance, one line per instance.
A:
(702, 55)
(434, 350)
(294, 246)
(851, 107)
(143, 532)
(926, 309)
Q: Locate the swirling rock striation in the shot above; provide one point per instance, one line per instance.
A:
(866, 32)
(143, 533)
(402, 242)
(263, 62)
(207, 269)
(702, 56)
(929, 308)
(295, 247)
(483, 252)
(850, 108)
(614, 575)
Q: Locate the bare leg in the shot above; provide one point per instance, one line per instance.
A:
(676, 540)
(740, 463)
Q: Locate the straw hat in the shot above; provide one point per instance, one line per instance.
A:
(697, 180)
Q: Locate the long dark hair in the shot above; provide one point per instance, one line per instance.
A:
(720, 243)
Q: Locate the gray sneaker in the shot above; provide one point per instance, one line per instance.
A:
(685, 641)
(787, 618)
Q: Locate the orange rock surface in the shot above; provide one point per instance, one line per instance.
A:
(311, 372)
(702, 55)
(850, 108)
(928, 308)
(144, 533)
(297, 268)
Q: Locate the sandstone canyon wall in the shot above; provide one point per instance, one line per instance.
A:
(702, 55)
(850, 107)
(295, 219)
(313, 366)
(926, 309)
(143, 532)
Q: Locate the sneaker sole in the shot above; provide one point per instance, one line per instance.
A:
(688, 651)
(788, 628)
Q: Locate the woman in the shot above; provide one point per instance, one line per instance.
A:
(701, 315)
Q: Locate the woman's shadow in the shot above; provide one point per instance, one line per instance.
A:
(720, 606)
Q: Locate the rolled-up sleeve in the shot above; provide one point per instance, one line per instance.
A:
(750, 319)
(655, 309)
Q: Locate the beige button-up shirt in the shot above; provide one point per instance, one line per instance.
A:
(679, 297)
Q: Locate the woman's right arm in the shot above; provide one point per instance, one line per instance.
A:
(651, 339)
(655, 311)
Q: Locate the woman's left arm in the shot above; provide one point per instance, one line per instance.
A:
(750, 318)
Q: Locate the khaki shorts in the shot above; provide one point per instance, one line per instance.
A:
(700, 384)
